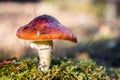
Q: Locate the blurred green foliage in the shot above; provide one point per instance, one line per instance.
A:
(96, 7)
(100, 8)
(61, 69)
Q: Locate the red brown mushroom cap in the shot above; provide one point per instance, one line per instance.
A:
(45, 28)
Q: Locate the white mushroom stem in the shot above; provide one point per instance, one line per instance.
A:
(44, 51)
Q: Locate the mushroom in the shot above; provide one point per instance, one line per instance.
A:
(41, 31)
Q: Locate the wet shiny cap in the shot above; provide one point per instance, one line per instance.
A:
(44, 28)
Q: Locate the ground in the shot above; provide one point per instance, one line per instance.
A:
(61, 69)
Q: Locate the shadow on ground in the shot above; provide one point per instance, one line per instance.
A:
(104, 52)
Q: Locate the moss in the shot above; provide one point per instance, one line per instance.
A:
(61, 69)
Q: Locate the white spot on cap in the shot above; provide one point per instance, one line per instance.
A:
(38, 33)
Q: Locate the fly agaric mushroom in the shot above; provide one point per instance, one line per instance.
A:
(42, 31)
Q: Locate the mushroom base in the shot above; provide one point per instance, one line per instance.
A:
(44, 51)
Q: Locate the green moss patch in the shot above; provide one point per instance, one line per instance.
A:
(61, 69)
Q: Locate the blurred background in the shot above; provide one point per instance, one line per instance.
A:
(96, 24)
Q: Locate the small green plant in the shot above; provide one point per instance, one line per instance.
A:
(61, 69)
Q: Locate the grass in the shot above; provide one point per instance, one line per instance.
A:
(61, 69)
